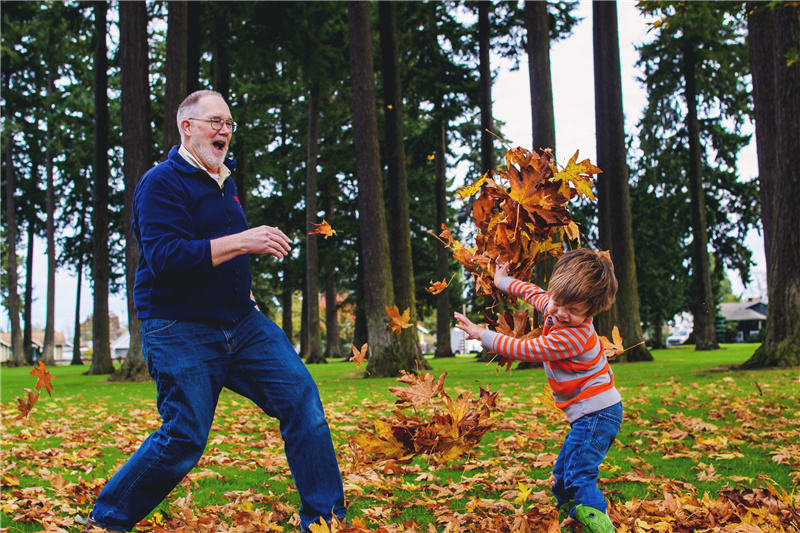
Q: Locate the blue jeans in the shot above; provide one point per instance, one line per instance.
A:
(578, 465)
(191, 362)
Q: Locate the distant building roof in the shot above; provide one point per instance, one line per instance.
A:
(37, 337)
(739, 311)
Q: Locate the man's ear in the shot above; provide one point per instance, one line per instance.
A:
(186, 127)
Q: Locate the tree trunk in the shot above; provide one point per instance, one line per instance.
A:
(27, 333)
(101, 342)
(397, 183)
(443, 314)
(137, 157)
(194, 39)
(286, 302)
(704, 309)
(613, 195)
(221, 67)
(384, 357)
(333, 345)
(485, 70)
(762, 68)
(48, 348)
(781, 346)
(176, 68)
(314, 341)
(76, 340)
(537, 25)
(17, 353)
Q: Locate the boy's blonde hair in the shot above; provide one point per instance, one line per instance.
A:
(584, 278)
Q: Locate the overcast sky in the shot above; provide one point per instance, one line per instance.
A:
(573, 89)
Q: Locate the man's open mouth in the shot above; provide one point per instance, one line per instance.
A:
(219, 145)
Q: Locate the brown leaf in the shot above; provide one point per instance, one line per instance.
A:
(323, 229)
(43, 377)
(398, 322)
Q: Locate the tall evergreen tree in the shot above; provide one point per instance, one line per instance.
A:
(774, 35)
(613, 196)
(101, 342)
(137, 159)
(694, 117)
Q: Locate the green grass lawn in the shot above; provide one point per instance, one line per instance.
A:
(691, 426)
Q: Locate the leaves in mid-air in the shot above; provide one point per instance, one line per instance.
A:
(359, 356)
(438, 286)
(324, 229)
(521, 216)
(43, 377)
(24, 406)
(398, 322)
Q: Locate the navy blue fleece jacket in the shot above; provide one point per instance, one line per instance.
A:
(177, 210)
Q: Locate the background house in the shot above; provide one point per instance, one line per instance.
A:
(62, 351)
(744, 320)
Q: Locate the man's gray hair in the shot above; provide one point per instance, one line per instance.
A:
(188, 107)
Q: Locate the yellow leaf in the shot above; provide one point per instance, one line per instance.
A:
(469, 190)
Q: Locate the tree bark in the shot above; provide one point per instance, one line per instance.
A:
(781, 346)
(333, 345)
(613, 195)
(193, 46)
(101, 343)
(704, 309)
(443, 314)
(485, 83)
(137, 158)
(384, 357)
(397, 183)
(314, 341)
(176, 68)
(286, 302)
(48, 348)
(27, 332)
(17, 353)
(76, 338)
(537, 28)
(762, 68)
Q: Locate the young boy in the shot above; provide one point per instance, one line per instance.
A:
(582, 285)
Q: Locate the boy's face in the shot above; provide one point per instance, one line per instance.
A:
(566, 316)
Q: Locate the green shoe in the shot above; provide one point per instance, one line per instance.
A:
(593, 519)
(564, 509)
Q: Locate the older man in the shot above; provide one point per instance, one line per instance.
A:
(201, 329)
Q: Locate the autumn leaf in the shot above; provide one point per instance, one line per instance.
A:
(469, 190)
(43, 377)
(422, 390)
(612, 349)
(438, 286)
(398, 322)
(359, 356)
(324, 229)
(24, 406)
(547, 398)
(580, 174)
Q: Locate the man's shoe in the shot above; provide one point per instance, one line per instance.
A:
(593, 519)
(90, 525)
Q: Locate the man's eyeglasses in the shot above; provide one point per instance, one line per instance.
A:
(217, 123)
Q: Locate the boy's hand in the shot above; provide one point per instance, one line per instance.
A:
(473, 330)
(500, 272)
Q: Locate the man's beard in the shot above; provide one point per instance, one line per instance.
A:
(211, 156)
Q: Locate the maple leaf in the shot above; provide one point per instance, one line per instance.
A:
(612, 349)
(24, 406)
(421, 392)
(324, 229)
(438, 286)
(398, 322)
(43, 377)
(469, 190)
(580, 174)
(359, 356)
(547, 398)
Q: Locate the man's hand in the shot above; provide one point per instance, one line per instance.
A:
(260, 240)
(472, 330)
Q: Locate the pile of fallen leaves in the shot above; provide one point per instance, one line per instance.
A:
(440, 428)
